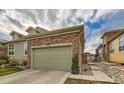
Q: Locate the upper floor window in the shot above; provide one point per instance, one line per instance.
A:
(11, 49)
(111, 47)
(14, 37)
(121, 43)
(25, 48)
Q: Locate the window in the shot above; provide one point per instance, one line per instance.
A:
(13, 37)
(11, 51)
(25, 48)
(111, 47)
(121, 43)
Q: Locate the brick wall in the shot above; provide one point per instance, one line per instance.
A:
(73, 38)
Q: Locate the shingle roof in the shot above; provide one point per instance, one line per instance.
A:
(63, 30)
(100, 46)
(14, 32)
(109, 33)
(37, 29)
(119, 32)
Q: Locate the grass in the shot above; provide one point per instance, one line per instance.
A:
(81, 81)
(9, 70)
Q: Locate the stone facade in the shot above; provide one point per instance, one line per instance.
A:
(105, 46)
(65, 38)
(2, 51)
(116, 74)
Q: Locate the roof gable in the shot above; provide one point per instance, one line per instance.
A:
(37, 29)
(58, 31)
(109, 33)
(19, 34)
(121, 31)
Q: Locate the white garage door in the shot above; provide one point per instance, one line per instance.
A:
(53, 58)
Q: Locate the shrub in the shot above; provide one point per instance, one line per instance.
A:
(75, 65)
(3, 62)
(13, 62)
(5, 65)
(3, 57)
(24, 62)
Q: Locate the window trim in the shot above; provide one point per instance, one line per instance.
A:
(111, 50)
(121, 36)
(13, 49)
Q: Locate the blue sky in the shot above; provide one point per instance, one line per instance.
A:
(96, 22)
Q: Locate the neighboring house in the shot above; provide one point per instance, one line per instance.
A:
(106, 36)
(50, 50)
(116, 47)
(99, 54)
(90, 57)
(17, 47)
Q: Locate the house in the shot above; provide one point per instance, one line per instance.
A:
(60, 49)
(55, 49)
(105, 51)
(99, 54)
(90, 57)
(116, 47)
(2, 50)
(17, 47)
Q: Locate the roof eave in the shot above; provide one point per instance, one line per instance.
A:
(79, 27)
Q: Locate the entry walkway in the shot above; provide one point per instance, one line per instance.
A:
(98, 75)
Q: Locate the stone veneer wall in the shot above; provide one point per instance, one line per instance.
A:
(73, 38)
(2, 51)
(116, 74)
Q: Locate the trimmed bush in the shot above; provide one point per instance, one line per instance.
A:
(24, 62)
(3, 62)
(75, 65)
(13, 62)
(3, 57)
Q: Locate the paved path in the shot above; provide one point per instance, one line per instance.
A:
(98, 75)
(35, 77)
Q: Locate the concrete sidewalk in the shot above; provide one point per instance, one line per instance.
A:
(98, 75)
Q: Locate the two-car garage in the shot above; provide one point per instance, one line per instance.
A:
(54, 50)
(52, 58)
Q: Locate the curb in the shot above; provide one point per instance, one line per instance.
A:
(64, 78)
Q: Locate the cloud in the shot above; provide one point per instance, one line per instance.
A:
(96, 21)
(104, 21)
(15, 22)
(2, 11)
(3, 36)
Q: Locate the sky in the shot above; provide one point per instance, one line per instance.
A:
(95, 21)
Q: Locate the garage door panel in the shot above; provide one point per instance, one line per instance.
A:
(56, 58)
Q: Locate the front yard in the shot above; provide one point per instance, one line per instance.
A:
(9, 70)
(81, 81)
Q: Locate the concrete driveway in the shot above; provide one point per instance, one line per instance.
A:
(35, 77)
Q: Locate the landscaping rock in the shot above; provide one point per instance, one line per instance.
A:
(115, 73)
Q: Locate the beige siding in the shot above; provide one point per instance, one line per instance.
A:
(19, 51)
(117, 56)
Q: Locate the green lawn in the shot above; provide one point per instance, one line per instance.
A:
(9, 70)
(80, 81)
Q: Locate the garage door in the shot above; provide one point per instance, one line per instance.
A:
(54, 58)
